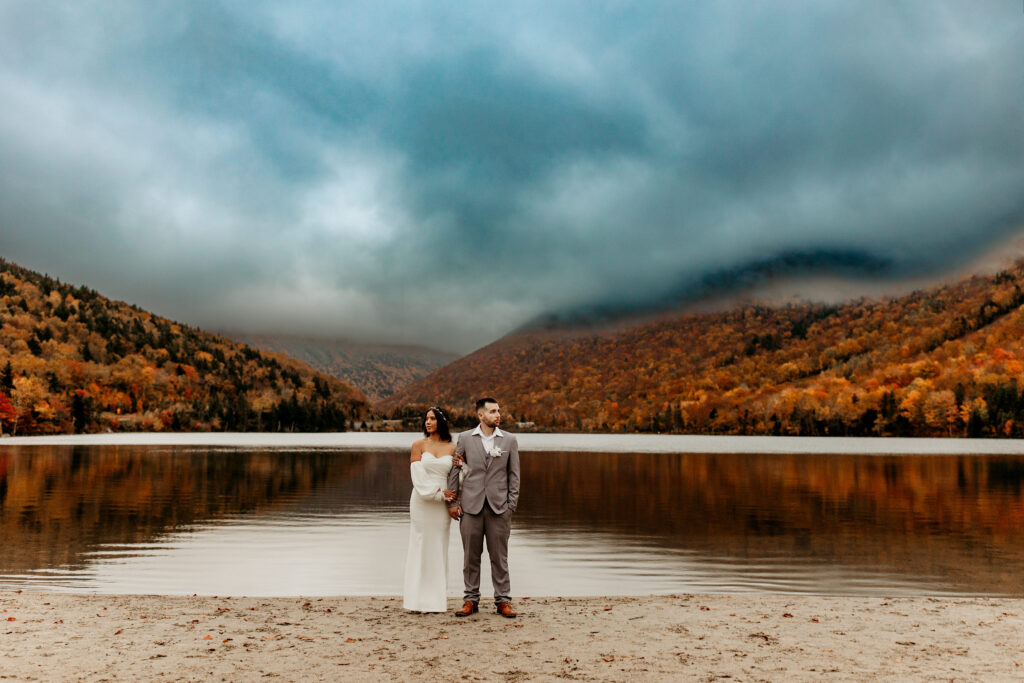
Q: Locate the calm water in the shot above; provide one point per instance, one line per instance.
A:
(273, 521)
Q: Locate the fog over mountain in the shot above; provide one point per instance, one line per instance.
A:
(441, 173)
(377, 370)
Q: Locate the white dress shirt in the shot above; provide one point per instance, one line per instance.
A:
(488, 441)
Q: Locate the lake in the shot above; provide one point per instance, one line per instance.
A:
(273, 517)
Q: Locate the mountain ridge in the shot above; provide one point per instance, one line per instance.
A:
(72, 360)
(378, 370)
(938, 362)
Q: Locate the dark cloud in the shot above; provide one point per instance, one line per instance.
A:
(441, 173)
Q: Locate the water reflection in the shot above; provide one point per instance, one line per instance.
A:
(277, 522)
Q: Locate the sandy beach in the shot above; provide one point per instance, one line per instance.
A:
(62, 637)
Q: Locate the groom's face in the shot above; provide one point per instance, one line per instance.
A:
(490, 414)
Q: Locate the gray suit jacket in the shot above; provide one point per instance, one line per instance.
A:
(495, 480)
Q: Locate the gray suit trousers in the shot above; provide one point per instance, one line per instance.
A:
(495, 528)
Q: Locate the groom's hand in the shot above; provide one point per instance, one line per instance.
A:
(455, 512)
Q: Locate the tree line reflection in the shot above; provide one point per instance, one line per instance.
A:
(58, 502)
(958, 518)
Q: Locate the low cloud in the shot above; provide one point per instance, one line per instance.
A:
(442, 173)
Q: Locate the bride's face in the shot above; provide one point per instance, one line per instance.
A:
(430, 422)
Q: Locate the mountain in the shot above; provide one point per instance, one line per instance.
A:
(728, 286)
(378, 370)
(72, 360)
(944, 361)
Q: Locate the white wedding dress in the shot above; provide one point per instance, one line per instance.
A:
(426, 565)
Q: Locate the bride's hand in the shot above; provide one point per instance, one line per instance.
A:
(449, 495)
(458, 460)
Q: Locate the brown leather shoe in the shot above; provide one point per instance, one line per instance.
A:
(468, 607)
(505, 610)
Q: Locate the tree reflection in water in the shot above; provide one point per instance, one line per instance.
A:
(959, 520)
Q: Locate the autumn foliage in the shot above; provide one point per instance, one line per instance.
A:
(74, 361)
(944, 362)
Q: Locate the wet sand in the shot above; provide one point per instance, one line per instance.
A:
(64, 637)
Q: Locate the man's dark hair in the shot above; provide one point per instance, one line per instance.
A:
(484, 401)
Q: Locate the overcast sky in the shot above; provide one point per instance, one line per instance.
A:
(441, 172)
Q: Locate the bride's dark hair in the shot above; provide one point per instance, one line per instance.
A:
(444, 430)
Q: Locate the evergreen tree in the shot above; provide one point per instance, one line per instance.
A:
(79, 413)
(7, 378)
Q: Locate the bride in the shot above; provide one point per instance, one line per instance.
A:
(426, 565)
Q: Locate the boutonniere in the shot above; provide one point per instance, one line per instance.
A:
(495, 452)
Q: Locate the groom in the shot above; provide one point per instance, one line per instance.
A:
(485, 503)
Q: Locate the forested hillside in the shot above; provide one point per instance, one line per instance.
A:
(943, 362)
(378, 370)
(74, 361)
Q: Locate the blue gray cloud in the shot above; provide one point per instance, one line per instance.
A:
(442, 172)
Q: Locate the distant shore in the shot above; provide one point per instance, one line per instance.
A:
(533, 441)
(56, 637)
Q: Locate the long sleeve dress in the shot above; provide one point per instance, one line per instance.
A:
(426, 564)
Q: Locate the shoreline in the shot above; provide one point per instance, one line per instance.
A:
(745, 636)
(547, 442)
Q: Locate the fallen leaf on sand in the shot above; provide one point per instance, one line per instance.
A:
(608, 659)
(207, 637)
(607, 607)
(788, 615)
(11, 619)
(118, 631)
